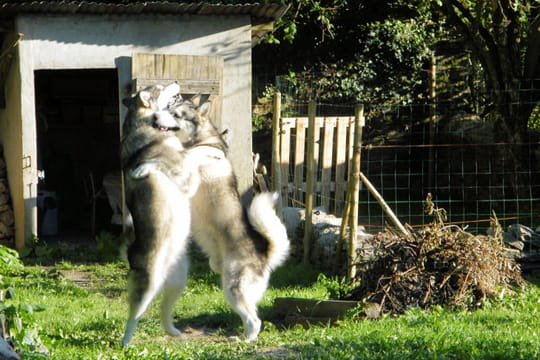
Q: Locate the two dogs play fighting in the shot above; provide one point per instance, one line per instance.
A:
(179, 184)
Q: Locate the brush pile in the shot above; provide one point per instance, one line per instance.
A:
(440, 265)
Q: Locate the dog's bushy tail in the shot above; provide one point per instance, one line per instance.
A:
(263, 218)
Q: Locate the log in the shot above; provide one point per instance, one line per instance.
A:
(3, 186)
(7, 217)
(384, 205)
(3, 168)
(313, 307)
(6, 231)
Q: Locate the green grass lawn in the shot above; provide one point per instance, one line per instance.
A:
(85, 320)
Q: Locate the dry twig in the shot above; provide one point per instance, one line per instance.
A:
(439, 265)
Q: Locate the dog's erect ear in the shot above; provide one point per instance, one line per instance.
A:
(204, 109)
(144, 98)
(196, 100)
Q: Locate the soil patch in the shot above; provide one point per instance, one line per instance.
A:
(81, 278)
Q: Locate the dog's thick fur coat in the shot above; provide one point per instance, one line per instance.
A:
(243, 245)
(158, 184)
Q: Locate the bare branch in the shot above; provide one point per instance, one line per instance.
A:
(481, 39)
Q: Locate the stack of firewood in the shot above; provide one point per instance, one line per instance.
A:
(6, 210)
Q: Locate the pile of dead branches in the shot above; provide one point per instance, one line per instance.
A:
(439, 265)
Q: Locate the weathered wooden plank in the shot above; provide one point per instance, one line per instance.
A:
(313, 307)
(329, 124)
(195, 74)
(142, 65)
(159, 65)
(285, 154)
(299, 159)
(208, 87)
(178, 67)
(316, 153)
(340, 164)
(168, 67)
(331, 154)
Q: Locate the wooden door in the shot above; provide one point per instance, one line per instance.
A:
(195, 74)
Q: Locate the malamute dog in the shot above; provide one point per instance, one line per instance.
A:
(158, 184)
(243, 245)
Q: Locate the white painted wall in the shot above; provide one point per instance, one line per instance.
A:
(11, 139)
(87, 41)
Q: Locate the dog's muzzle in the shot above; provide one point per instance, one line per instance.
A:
(164, 121)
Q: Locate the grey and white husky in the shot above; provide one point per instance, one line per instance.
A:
(243, 245)
(158, 184)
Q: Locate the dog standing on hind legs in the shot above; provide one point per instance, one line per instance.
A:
(243, 245)
(158, 183)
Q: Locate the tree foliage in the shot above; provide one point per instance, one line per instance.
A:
(357, 51)
(504, 36)
(377, 51)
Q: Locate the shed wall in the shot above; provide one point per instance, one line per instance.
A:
(87, 41)
(11, 139)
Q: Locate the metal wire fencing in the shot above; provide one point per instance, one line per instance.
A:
(455, 159)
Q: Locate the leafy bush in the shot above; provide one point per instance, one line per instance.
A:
(36, 248)
(9, 259)
(109, 246)
(17, 322)
(338, 287)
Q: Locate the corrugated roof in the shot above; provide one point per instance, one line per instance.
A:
(260, 13)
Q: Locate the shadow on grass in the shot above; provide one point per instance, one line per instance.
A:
(226, 323)
(533, 277)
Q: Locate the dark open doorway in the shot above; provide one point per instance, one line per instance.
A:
(78, 143)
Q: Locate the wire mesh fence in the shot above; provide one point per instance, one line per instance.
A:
(455, 159)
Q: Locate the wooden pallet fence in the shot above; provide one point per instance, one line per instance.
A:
(333, 137)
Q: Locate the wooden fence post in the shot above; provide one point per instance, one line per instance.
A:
(354, 189)
(310, 179)
(276, 145)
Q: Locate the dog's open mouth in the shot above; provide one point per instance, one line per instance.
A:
(166, 128)
(164, 121)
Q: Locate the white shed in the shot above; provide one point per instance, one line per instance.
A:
(66, 65)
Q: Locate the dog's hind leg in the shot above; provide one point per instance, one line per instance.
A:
(243, 294)
(141, 292)
(173, 288)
